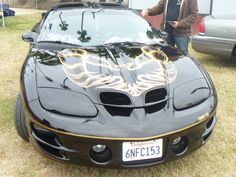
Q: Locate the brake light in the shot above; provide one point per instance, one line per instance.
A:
(202, 28)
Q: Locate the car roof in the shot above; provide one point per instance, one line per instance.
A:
(85, 4)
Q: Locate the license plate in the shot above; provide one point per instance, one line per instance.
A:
(142, 150)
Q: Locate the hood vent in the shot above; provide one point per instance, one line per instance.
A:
(113, 98)
(156, 96)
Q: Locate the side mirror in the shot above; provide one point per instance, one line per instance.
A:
(29, 37)
(163, 34)
(43, 14)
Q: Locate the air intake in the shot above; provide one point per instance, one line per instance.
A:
(155, 108)
(119, 111)
(155, 96)
(113, 98)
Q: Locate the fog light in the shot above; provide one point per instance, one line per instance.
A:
(99, 148)
(176, 141)
(180, 145)
(100, 154)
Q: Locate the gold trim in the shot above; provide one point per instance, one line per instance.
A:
(204, 117)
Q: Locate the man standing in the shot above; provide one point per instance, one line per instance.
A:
(178, 17)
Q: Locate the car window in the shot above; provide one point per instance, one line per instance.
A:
(91, 27)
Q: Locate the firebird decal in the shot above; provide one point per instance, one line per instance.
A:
(150, 69)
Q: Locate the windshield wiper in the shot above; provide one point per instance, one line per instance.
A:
(60, 42)
(129, 43)
(123, 43)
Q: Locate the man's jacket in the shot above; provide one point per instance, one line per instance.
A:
(187, 15)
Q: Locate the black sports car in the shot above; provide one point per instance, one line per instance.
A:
(100, 87)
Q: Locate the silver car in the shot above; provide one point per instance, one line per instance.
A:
(217, 36)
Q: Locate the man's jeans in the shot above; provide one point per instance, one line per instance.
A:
(180, 42)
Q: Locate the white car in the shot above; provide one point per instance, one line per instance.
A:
(217, 36)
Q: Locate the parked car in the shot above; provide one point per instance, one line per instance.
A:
(100, 87)
(217, 36)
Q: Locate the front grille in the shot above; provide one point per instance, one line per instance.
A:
(113, 98)
(119, 111)
(119, 104)
(155, 100)
(156, 95)
(154, 108)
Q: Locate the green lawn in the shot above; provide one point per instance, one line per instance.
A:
(19, 159)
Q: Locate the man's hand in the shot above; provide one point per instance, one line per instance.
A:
(144, 12)
(174, 24)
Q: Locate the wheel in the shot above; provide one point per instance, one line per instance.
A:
(19, 120)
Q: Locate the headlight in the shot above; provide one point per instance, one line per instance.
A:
(66, 102)
(191, 94)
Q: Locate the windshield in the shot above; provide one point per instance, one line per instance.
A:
(92, 27)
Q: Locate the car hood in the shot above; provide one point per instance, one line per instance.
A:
(131, 70)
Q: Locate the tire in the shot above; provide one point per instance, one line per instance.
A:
(19, 120)
(234, 59)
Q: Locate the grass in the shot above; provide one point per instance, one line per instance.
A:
(20, 159)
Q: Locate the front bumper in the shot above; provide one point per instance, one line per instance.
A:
(213, 45)
(77, 149)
